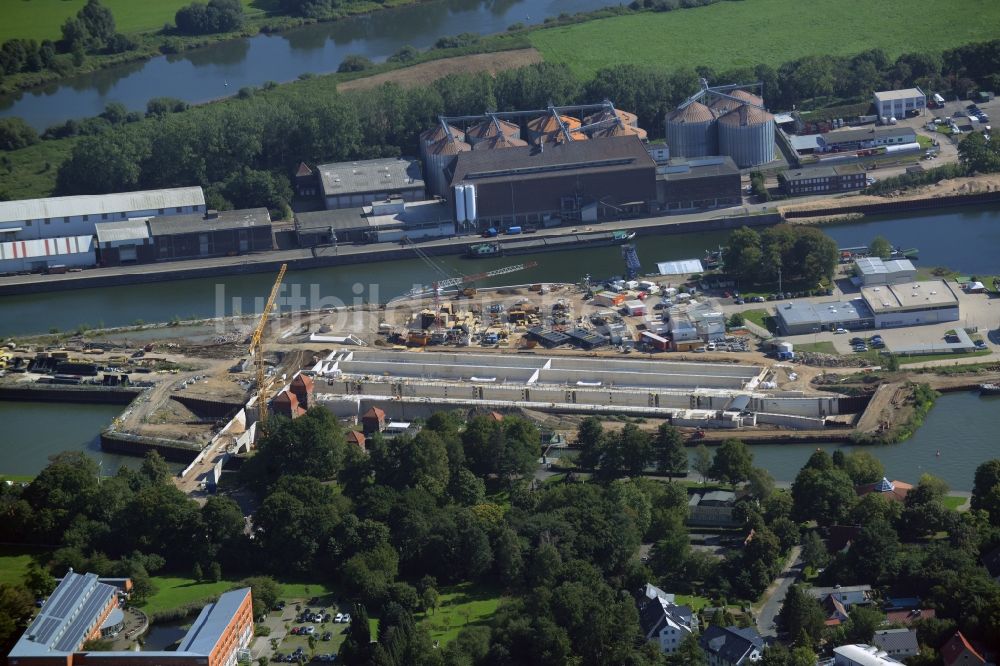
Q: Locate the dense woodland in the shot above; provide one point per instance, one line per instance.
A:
(454, 503)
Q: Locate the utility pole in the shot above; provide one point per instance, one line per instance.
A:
(780, 290)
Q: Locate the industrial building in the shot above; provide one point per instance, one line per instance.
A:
(215, 234)
(873, 271)
(124, 242)
(722, 120)
(898, 103)
(353, 184)
(911, 304)
(822, 179)
(46, 254)
(382, 221)
(588, 181)
(698, 184)
(866, 137)
(82, 608)
(63, 217)
(800, 318)
(862, 655)
(407, 385)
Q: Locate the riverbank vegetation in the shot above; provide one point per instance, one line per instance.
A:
(918, 405)
(786, 252)
(443, 536)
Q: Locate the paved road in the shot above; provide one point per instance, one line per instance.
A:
(775, 594)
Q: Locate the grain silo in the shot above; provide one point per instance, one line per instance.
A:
(559, 138)
(438, 157)
(691, 131)
(618, 129)
(544, 128)
(605, 115)
(747, 135)
(499, 142)
(490, 127)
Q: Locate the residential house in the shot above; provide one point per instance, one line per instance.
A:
(287, 404)
(836, 611)
(837, 600)
(664, 621)
(731, 646)
(713, 509)
(897, 643)
(861, 655)
(909, 616)
(302, 387)
(373, 421)
(357, 439)
(958, 651)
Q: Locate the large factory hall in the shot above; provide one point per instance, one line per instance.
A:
(409, 385)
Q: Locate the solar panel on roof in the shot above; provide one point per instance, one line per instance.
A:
(68, 597)
(45, 630)
(78, 629)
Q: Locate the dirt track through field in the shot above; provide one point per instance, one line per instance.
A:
(427, 72)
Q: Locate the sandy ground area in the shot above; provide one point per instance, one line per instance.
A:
(427, 72)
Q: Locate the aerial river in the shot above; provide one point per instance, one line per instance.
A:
(961, 426)
(222, 69)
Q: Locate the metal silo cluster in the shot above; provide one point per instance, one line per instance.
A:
(722, 120)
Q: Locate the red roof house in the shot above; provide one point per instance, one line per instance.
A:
(287, 404)
(356, 438)
(373, 421)
(302, 387)
(959, 652)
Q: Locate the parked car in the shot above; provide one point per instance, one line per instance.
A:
(840, 331)
(980, 344)
(857, 341)
(339, 618)
(347, 618)
(757, 299)
(328, 635)
(310, 631)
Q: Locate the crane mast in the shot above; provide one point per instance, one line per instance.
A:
(257, 352)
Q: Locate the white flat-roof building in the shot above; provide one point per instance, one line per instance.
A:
(912, 303)
(31, 219)
(862, 655)
(875, 271)
(895, 103)
(356, 184)
(44, 253)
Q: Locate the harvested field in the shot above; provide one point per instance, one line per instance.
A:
(428, 72)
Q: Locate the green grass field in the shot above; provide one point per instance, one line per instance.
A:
(953, 503)
(42, 19)
(739, 34)
(460, 606)
(174, 592)
(825, 347)
(14, 563)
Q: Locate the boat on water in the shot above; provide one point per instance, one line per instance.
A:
(849, 254)
(989, 389)
(484, 250)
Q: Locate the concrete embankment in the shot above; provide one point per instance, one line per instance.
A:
(137, 445)
(897, 206)
(107, 395)
(545, 240)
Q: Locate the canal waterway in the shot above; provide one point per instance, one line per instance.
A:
(31, 432)
(222, 69)
(965, 239)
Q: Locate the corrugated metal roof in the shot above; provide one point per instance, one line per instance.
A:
(626, 117)
(495, 142)
(109, 232)
(746, 115)
(682, 267)
(437, 133)
(388, 174)
(206, 631)
(487, 128)
(227, 219)
(46, 247)
(695, 112)
(99, 204)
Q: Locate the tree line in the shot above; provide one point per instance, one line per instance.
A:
(795, 253)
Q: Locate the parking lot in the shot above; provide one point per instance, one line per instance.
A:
(304, 632)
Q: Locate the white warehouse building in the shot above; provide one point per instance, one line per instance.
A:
(45, 253)
(873, 271)
(912, 304)
(61, 217)
(895, 103)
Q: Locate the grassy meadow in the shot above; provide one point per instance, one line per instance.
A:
(42, 19)
(743, 34)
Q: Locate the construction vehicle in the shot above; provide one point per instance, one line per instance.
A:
(257, 354)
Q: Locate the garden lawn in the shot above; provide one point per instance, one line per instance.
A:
(14, 563)
(460, 606)
(953, 503)
(43, 19)
(742, 34)
(173, 593)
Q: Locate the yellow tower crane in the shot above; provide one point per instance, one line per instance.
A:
(257, 353)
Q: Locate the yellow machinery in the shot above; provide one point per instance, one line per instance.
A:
(257, 353)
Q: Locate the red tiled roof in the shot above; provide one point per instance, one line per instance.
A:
(898, 491)
(375, 412)
(355, 437)
(958, 646)
(302, 381)
(286, 403)
(496, 416)
(909, 616)
(303, 170)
